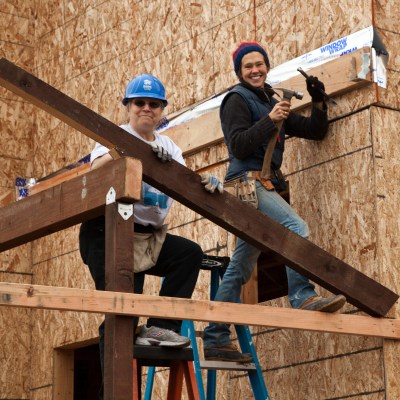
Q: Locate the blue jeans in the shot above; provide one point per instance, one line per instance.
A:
(244, 259)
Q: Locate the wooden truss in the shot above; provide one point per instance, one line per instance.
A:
(111, 191)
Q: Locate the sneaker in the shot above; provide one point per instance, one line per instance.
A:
(319, 303)
(228, 352)
(155, 336)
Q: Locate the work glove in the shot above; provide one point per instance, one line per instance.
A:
(211, 183)
(314, 87)
(162, 154)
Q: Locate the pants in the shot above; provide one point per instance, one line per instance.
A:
(244, 259)
(179, 263)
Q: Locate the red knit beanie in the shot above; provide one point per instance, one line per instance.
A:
(243, 49)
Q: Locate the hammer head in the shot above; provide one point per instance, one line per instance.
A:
(289, 93)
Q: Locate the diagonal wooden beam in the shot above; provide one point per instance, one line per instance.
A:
(225, 210)
(129, 304)
(69, 203)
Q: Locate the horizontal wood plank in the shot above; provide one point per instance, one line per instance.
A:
(60, 298)
(224, 209)
(68, 203)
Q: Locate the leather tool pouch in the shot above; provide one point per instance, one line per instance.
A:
(244, 188)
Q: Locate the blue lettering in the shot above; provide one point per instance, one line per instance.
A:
(335, 46)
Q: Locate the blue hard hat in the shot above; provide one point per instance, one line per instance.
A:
(145, 85)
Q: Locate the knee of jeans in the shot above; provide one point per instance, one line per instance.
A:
(300, 227)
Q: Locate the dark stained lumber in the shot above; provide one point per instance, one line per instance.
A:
(119, 335)
(68, 203)
(225, 210)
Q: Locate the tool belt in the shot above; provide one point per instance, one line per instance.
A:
(244, 187)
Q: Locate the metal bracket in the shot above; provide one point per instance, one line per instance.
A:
(125, 210)
(110, 197)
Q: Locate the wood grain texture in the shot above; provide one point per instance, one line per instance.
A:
(78, 199)
(318, 265)
(92, 301)
(16, 335)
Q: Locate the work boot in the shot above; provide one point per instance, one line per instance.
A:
(229, 352)
(319, 303)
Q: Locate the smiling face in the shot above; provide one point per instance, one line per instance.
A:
(144, 115)
(253, 69)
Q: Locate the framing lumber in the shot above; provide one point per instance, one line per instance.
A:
(128, 304)
(119, 277)
(224, 209)
(340, 75)
(68, 203)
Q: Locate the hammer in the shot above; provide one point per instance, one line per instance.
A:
(289, 93)
(266, 167)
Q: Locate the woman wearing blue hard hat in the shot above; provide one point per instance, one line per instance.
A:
(156, 252)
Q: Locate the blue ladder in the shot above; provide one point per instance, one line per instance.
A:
(217, 266)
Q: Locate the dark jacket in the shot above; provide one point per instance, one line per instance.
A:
(248, 128)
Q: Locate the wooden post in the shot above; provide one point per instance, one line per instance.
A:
(119, 335)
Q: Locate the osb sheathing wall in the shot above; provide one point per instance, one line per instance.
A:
(345, 187)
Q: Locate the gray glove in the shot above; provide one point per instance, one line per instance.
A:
(211, 183)
(162, 154)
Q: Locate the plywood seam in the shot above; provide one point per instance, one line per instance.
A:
(350, 153)
(294, 365)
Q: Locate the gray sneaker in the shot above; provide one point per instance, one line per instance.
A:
(155, 336)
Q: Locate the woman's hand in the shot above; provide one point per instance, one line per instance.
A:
(280, 111)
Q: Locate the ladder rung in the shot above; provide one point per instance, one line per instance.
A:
(226, 365)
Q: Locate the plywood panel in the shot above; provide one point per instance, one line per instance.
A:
(48, 140)
(329, 379)
(52, 328)
(386, 14)
(49, 46)
(53, 70)
(16, 132)
(23, 8)
(391, 40)
(391, 351)
(19, 54)
(337, 199)
(11, 169)
(15, 341)
(390, 97)
(387, 176)
(281, 348)
(50, 15)
(17, 260)
(279, 34)
(223, 10)
(56, 244)
(17, 29)
(307, 26)
(226, 37)
(344, 136)
(82, 58)
(341, 19)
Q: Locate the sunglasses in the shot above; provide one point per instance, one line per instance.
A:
(154, 104)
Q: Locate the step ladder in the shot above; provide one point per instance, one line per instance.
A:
(217, 266)
(180, 363)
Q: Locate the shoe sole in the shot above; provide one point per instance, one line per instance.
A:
(329, 307)
(242, 361)
(161, 343)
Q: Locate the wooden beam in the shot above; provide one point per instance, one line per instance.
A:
(60, 298)
(68, 203)
(118, 333)
(340, 75)
(224, 209)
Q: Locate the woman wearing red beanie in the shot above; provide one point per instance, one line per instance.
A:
(250, 117)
